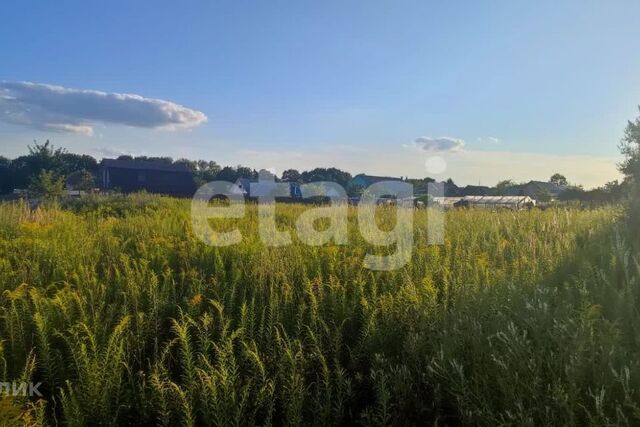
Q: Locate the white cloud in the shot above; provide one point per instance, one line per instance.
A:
(66, 127)
(443, 143)
(57, 108)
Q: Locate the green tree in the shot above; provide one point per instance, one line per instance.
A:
(206, 171)
(291, 175)
(327, 174)
(543, 196)
(6, 177)
(246, 172)
(47, 157)
(630, 148)
(41, 157)
(266, 174)
(47, 185)
(81, 180)
(617, 190)
(504, 185)
(164, 160)
(558, 179)
(208, 165)
(573, 193)
(630, 167)
(228, 174)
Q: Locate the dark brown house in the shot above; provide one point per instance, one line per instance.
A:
(475, 190)
(154, 177)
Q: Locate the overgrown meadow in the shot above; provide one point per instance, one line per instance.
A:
(520, 318)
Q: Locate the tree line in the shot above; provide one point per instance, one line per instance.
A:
(46, 165)
(46, 169)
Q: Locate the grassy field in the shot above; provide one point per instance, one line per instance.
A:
(520, 318)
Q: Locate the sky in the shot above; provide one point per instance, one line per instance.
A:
(476, 91)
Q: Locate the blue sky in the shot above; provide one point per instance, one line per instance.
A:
(514, 90)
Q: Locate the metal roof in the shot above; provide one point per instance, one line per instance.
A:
(497, 199)
(447, 200)
(373, 178)
(505, 201)
(549, 187)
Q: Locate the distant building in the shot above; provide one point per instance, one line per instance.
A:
(244, 184)
(450, 189)
(494, 202)
(533, 188)
(475, 190)
(446, 202)
(154, 177)
(254, 189)
(491, 202)
(537, 189)
(362, 181)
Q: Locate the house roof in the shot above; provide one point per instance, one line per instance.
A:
(373, 178)
(144, 165)
(549, 187)
(497, 199)
(446, 201)
(475, 190)
(248, 186)
(243, 183)
(476, 187)
(512, 202)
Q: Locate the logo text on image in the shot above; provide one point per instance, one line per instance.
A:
(24, 389)
(266, 190)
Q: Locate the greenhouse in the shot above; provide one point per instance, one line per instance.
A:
(493, 202)
(509, 202)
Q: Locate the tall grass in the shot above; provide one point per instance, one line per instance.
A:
(522, 318)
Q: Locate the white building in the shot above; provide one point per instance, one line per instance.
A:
(492, 202)
(258, 188)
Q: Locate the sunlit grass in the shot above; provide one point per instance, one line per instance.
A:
(519, 318)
